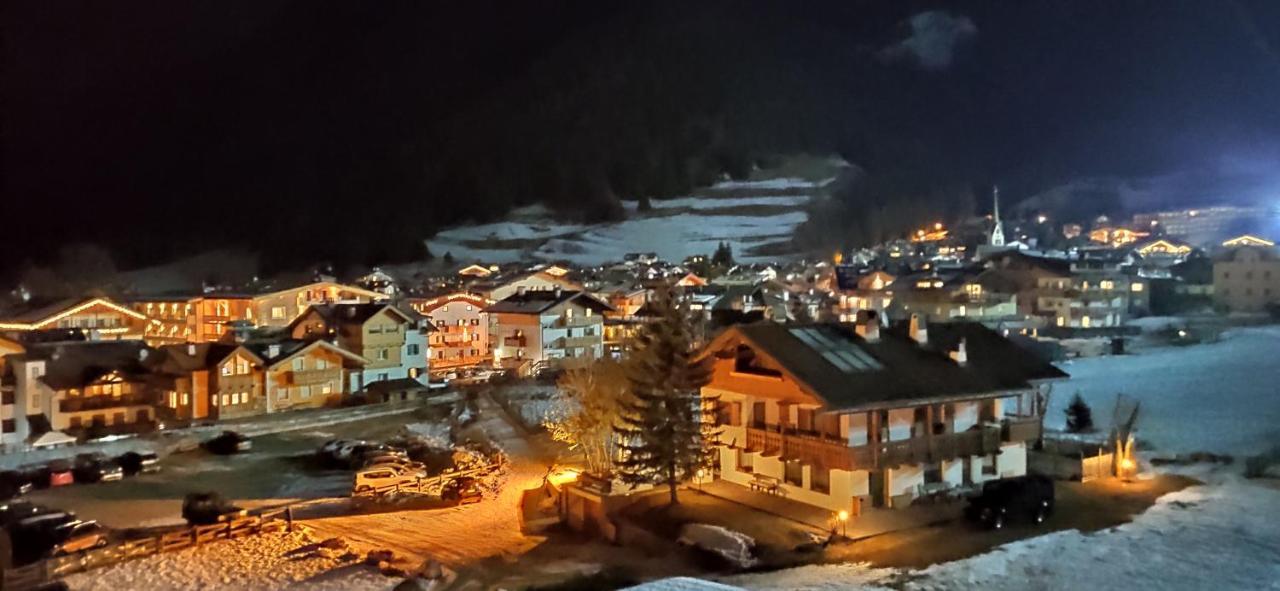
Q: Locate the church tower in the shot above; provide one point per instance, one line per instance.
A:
(997, 229)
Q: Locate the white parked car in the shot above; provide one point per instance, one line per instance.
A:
(375, 477)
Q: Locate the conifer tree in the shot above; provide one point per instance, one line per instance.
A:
(1079, 415)
(666, 427)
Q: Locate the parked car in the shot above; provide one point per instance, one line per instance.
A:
(393, 461)
(14, 483)
(135, 462)
(462, 491)
(96, 467)
(229, 442)
(339, 450)
(1026, 497)
(362, 455)
(208, 508)
(32, 536)
(76, 536)
(16, 511)
(380, 476)
(52, 473)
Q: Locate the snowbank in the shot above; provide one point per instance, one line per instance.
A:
(1217, 536)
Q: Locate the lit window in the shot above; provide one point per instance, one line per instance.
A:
(1136, 287)
(383, 355)
(242, 366)
(326, 388)
(226, 399)
(226, 369)
(277, 313)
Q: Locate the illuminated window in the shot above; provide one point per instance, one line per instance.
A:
(1136, 287)
(1062, 321)
(226, 369)
(973, 289)
(1084, 321)
(326, 388)
(277, 313)
(1108, 284)
(242, 366)
(226, 399)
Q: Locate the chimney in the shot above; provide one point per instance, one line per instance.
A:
(191, 349)
(961, 354)
(273, 350)
(520, 290)
(918, 329)
(868, 326)
(557, 292)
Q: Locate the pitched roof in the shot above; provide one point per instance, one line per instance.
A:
(186, 358)
(537, 301)
(847, 372)
(39, 316)
(288, 348)
(76, 364)
(355, 313)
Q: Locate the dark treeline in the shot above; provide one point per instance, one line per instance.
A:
(350, 132)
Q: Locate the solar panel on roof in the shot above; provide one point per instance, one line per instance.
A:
(844, 355)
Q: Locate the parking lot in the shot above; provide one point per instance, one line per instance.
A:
(280, 468)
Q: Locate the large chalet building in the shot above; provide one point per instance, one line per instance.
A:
(845, 416)
(393, 342)
(98, 318)
(547, 328)
(461, 335)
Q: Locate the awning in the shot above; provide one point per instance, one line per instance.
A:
(53, 439)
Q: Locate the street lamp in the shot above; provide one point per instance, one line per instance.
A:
(843, 517)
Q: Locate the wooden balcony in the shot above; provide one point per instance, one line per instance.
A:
(309, 377)
(513, 341)
(77, 403)
(1020, 429)
(576, 321)
(817, 449)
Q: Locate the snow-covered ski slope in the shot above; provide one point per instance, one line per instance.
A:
(749, 215)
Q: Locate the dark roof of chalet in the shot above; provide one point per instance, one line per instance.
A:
(73, 365)
(734, 294)
(287, 347)
(39, 311)
(536, 301)
(1013, 257)
(353, 313)
(847, 276)
(894, 368)
(186, 358)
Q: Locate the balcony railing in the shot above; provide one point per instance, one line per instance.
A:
(309, 377)
(576, 321)
(567, 342)
(821, 449)
(513, 341)
(77, 404)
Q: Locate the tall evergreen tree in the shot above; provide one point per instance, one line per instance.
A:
(1079, 415)
(723, 256)
(666, 426)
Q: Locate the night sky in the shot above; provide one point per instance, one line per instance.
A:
(164, 128)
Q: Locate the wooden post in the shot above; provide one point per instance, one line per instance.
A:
(288, 518)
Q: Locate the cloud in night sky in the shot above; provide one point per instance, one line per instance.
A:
(934, 36)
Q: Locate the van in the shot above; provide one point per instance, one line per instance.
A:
(371, 479)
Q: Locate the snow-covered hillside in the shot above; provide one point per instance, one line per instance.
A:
(746, 214)
(1219, 397)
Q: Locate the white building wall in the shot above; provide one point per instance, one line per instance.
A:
(1012, 460)
(953, 472)
(844, 485)
(905, 480)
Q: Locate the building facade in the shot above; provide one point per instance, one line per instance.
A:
(547, 328)
(461, 335)
(844, 418)
(97, 318)
(392, 342)
(1246, 279)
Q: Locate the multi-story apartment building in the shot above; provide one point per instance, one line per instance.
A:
(279, 308)
(199, 318)
(85, 387)
(304, 374)
(557, 328)
(1096, 294)
(393, 342)
(98, 318)
(859, 291)
(843, 418)
(941, 296)
(1200, 225)
(461, 335)
(1246, 278)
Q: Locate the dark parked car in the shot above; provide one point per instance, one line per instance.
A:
(1001, 501)
(14, 483)
(229, 442)
(462, 491)
(135, 463)
(95, 467)
(208, 508)
(36, 537)
(16, 511)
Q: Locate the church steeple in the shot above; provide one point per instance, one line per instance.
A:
(997, 229)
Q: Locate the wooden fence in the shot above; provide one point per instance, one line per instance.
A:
(33, 575)
(1096, 467)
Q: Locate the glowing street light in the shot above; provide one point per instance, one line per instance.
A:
(843, 517)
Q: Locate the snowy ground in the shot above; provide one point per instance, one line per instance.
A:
(1221, 397)
(1213, 536)
(755, 214)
